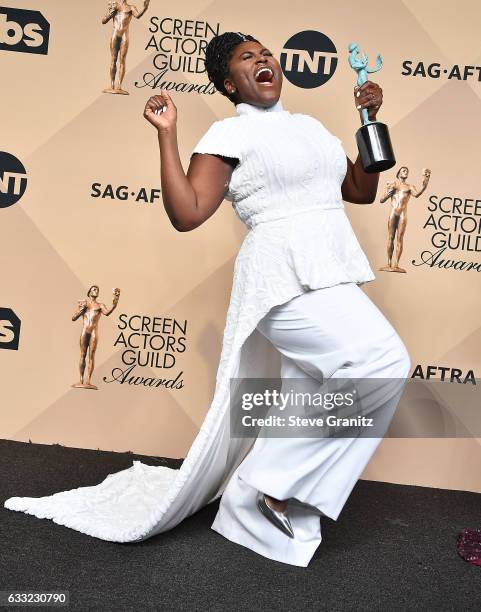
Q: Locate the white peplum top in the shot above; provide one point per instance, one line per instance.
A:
(286, 188)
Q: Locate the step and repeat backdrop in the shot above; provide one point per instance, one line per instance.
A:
(98, 288)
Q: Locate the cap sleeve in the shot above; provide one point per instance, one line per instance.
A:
(220, 139)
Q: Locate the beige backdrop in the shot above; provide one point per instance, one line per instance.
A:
(58, 240)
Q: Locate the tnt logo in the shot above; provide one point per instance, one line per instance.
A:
(24, 31)
(308, 59)
(9, 329)
(13, 179)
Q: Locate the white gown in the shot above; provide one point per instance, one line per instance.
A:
(287, 190)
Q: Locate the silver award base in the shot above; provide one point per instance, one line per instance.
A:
(375, 147)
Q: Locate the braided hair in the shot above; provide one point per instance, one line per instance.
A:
(217, 56)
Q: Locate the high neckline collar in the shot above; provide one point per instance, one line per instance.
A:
(244, 108)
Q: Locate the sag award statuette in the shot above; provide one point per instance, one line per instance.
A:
(91, 310)
(121, 14)
(372, 137)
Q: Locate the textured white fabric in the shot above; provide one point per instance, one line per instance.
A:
(286, 189)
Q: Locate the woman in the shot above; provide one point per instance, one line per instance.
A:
(295, 294)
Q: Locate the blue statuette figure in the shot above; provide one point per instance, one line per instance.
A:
(372, 138)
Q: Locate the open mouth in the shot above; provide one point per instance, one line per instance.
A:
(264, 75)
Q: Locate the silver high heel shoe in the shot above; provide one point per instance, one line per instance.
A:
(278, 519)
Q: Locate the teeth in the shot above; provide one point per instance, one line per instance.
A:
(262, 69)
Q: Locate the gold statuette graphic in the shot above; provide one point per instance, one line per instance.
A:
(90, 310)
(121, 14)
(400, 192)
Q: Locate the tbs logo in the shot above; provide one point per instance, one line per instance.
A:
(13, 179)
(308, 59)
(24, 31)
(9, 329)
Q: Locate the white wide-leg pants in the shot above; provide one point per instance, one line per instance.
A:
(334, 332)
